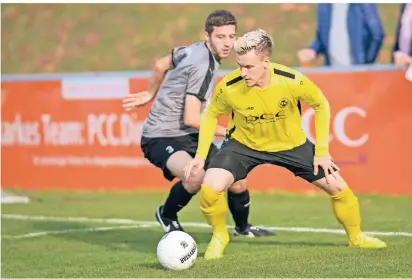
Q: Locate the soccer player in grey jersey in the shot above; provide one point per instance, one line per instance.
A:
(170, 133)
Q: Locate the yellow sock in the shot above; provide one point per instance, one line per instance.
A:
(214, 207)
(346, 208)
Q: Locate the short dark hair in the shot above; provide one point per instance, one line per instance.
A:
(219, 18)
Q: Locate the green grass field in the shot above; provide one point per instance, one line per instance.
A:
(39, 38)
(64, 247)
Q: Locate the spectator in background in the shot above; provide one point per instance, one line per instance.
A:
(402, 49)
(347, 34)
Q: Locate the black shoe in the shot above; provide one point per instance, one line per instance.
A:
(252, 231)
(167, 224)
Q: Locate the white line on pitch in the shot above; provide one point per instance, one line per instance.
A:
(98, 229)
(187, 224)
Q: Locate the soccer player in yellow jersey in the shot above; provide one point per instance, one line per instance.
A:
(265, 100)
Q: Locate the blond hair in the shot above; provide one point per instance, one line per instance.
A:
(257, 40)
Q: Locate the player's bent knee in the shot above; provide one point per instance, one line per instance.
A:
(334, 186)
(191, 187)
(194, 182)
(238, 187)
(218, 179)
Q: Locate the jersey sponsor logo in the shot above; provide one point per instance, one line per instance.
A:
(265, 118)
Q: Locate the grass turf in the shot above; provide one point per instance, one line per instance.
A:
(130, 252)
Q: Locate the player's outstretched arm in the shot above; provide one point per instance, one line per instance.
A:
(134, 100)
(307, 91)
(161, 66)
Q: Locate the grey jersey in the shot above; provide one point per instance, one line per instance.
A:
(194, 73)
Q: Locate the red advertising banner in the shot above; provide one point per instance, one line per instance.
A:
(73, 134)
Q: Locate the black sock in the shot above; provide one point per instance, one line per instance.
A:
(178, 198)
(239, 207)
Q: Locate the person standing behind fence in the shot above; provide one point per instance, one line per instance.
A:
(402, 49)
(346, 34)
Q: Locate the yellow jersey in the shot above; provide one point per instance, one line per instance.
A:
(269, 119)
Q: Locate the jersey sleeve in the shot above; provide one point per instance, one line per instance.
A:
(218, 106)
(178, 54)
(304, 89)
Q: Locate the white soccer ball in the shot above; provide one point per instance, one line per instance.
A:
(177, 250)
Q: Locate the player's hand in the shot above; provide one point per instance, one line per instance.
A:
(135, 100)
(193, 166)
(306, 55)
(327, 164)
(401, 59)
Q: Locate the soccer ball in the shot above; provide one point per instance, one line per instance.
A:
(177, 250)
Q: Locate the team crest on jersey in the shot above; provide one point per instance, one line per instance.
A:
(283, 103)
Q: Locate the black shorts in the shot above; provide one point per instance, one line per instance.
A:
(159, 150)
(240, 160)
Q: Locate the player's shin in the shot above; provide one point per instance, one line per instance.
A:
(346, 208)
(214, 207)
(239, 207)
(178, 198)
